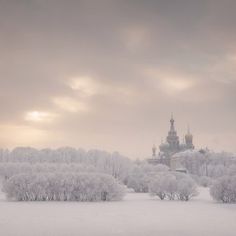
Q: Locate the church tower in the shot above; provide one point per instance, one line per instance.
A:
(189, 140)
(172, 146)
(172, 138)
(154, 150)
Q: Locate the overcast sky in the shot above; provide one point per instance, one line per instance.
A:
(108, 74)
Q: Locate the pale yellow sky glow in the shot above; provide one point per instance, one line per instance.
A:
(70, 104)
(84, 84)
(175, 85)
(108, 74)
(170, 82)
(38, 116)
(22, 135)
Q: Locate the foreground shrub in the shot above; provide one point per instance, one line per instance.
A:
(157, 186)
(224, 189)
(173, 186)
(63, 187)
(186, 189)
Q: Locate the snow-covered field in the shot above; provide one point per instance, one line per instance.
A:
(137, 214)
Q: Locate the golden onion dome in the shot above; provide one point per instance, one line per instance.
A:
(188, 137)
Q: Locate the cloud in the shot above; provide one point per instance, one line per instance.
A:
(170, 82)
(85, 85)
(135, 38)
(39, 116)
(116, 69)
(70, 104)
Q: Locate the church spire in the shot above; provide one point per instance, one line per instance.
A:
(172, 138)
(154, 149)
(188, 129)
(172, 121)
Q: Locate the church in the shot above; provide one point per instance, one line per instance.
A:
(171, 146)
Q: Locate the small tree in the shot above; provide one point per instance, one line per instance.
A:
(157, 186)
(186, 189)
(171, 186)
(224, 189)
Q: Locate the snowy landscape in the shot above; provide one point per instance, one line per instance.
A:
(138, 214)
(69, 192)
(117, 118)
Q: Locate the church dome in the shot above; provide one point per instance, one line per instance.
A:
(164, 146)
(188, 137)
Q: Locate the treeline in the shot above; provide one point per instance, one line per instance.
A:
(69, 158)
(207, 163)
(206, 168)
(63, 187)
(214, 170)
(9, 169)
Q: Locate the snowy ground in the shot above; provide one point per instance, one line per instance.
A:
(138, 214)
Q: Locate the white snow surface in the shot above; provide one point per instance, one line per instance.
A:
(138, 214)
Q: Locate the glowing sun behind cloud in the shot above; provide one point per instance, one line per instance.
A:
(38, 116)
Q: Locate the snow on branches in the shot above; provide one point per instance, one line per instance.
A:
(63, 187)
(173, 186)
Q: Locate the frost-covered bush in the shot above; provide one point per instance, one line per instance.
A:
(172, 186)
(63, 187)
(141, 175)
(186, 189)
(139, 183)
(224, 189)
(138, 180)
(157, 186)
(164, 185)
(231, 170)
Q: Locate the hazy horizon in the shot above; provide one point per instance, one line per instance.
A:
(108, 74)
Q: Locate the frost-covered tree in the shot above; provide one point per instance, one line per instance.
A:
(205, 162)
(172, 186)
(224, 189)
(158, 186)
(63, 187)
(141, 174)
(186, 188)
(110, 163)
(231, 170)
